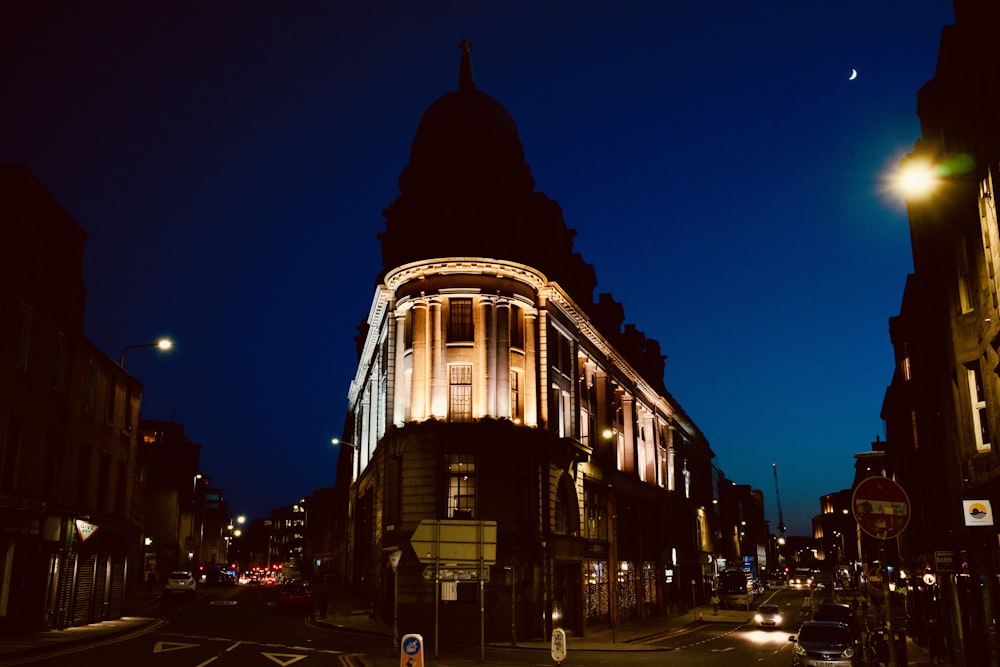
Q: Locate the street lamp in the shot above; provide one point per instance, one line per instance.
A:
(354, 447)
(163, 344)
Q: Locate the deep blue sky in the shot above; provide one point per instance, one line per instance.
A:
(230, 162)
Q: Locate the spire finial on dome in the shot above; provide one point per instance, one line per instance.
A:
(465, 79)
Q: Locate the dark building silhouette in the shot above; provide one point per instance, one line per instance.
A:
(72, 486)
(942, 409)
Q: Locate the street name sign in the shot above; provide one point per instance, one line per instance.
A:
(881, 507)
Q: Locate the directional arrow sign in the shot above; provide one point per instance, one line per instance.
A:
(458, 541)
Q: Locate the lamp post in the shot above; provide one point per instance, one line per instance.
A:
(235, 530)
(163, 344)
(354, 447)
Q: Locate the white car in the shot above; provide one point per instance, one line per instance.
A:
(181, 582)
(768, 616)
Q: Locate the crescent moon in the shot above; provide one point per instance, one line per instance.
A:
(854, 75)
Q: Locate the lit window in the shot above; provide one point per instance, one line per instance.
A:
(460, 320)
(461, 469)
(515, 397)
(964, 276)
(460, 393)
(977, 396)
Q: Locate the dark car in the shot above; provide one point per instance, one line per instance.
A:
(295, 596)
(838, 613)
(824, 644)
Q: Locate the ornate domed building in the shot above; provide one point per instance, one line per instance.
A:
(494, 392)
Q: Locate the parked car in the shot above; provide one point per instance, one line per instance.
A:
(840, 613)
(181, 581)
(768, 616)
(295, 595)
(824, 644)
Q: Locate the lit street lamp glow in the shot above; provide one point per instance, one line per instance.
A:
(917, 178)
(163, 344)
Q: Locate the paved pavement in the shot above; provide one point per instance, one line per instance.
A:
(348, 617)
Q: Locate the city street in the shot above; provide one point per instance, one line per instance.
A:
(230, 626)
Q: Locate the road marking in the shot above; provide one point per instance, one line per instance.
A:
(223, 602)
(163, 647)
(283, 658)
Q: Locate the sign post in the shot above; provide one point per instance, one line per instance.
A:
(394, 557)
(882, 509)
(452, 544)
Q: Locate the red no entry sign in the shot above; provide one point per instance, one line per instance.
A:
(881, 507)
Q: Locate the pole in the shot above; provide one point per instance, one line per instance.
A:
(482, 598)
(395, 608)
(513, 606)
(437, 583)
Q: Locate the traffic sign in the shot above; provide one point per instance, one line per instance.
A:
(881, 507)
(459, 541)
(457, 573)
(558, 650)
(411, 651)
(394, 557)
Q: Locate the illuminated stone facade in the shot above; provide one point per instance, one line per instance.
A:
(491, 386)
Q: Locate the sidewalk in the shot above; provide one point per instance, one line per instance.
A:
(14, 648)
(345, 616)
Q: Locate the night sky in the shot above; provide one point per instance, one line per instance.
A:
(230, 162)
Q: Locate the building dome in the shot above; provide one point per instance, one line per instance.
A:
(466, 127)
(468, 192)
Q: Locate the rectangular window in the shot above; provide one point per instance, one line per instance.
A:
(460, 320)
(461, 471)
(408, 329)
(23, 338)
(596, 516)
(90, 406)
(11, 449)
(127, 417)
(103, 482)
(394, 493)
(460, 393)
(516, 327)
(977, 396)
(109, 400)
(964, 276)
(83, 475)
(516, 413)
(560, 352)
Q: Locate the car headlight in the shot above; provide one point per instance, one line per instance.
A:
(798, 649)
(758, 618)
(849, 652)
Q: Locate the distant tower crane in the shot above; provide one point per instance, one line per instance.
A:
(777, 495)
